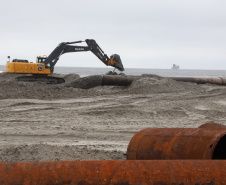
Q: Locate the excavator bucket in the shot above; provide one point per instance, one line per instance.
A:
(116, 62)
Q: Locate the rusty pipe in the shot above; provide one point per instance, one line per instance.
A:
(212, 125)
(118, 80)
(217, 80)
(121, 80)
(177, 143)
(156, 172)
(96, 80)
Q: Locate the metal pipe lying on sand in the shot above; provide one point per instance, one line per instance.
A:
(212, 125)
(122, 80)
(97, 80)
(217, 81)
(177, 143)
(118, 80)
(162, 172)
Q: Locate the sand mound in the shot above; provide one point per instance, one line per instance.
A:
(151, 76)
(36, 90)
(86, 82)
(71, 77)
(157, 84)
(10, 76)
(88, 86)
(10, 88)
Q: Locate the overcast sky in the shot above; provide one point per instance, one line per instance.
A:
(145, 33)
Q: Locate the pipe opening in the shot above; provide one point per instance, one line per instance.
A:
(220, 150)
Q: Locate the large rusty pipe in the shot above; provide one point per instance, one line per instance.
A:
(217, 80)
(177, 143)
(118, 80)
(154, 172)
(212, 125)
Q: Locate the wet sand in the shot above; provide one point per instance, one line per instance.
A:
(41, 122)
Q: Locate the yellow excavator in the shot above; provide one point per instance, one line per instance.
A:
(44, 65)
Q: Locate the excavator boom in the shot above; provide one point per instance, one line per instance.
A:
(114, 60)
(66, 47)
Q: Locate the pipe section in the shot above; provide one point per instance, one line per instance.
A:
(217, 81)
(177, 143)
(155, 172)
(212, 125)
(119, 80)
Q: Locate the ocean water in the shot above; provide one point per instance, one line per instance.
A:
(86, 71)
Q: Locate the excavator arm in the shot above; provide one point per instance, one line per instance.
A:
(66, 47)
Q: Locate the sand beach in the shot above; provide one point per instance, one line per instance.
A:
(42, 122)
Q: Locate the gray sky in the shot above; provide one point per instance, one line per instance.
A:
(145, 33)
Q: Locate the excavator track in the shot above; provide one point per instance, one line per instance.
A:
(41, 78)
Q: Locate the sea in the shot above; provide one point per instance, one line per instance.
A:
(87, 71)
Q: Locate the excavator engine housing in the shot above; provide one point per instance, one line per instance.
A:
(27, 68)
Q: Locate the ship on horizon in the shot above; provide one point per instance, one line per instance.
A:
(175, 66)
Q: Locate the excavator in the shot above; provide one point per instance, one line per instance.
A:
(44, 66)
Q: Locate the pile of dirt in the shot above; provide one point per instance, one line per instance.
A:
(156, 84)
(86, 82)
(45, 152)
(13, 89)
(151, 76)
(37, 90)
(75, 87)
(70, 78)
(7, 77)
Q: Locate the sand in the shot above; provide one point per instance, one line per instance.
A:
(41, 122)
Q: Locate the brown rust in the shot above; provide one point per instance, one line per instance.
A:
(212, 125)
(160, 172)
(177, 143)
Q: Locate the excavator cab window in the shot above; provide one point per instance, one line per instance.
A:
(48, 65)
(40, 60)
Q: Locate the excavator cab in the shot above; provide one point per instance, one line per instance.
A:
(41, 59)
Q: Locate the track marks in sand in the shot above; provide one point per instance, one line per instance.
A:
(30, 108)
